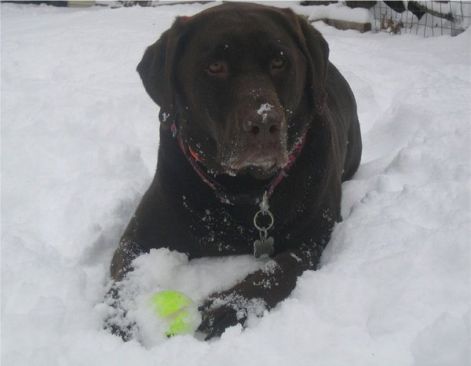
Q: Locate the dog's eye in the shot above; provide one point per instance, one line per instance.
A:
(218, 68)
(278, 63)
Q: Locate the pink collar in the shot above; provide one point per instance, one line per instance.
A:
(220, 192)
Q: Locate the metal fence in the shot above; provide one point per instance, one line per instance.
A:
(427, 18)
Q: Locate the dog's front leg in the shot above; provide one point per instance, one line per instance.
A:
(259, 291)
(116, 322)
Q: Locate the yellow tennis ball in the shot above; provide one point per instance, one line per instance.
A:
(175, 308)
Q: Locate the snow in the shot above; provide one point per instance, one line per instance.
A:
(79, 139)
(336, 11)
(265, 107)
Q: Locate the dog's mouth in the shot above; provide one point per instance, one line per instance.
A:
(259, 172)
(260, 163)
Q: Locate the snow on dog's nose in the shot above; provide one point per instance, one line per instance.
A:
(263, 124)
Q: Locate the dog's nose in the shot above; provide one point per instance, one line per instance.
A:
(263, 124)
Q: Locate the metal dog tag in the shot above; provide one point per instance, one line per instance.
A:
(263, 247)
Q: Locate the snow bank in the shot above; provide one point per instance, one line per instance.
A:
(337, 11)
(79, 139)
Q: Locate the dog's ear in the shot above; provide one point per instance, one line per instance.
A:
(319, 51)
(157, 71)
(316, 51)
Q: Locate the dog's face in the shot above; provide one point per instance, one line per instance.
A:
(238, 80)
(241, 85)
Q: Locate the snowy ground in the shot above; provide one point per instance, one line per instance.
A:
(79, 139)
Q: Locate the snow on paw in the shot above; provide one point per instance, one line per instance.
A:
(221, 311)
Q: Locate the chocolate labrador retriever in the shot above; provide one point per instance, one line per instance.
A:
(258, 131)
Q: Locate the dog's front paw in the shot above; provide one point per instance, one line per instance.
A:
(117, 321)
(224, 310)
(215, 320)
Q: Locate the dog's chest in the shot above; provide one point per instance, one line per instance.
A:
(218, 232)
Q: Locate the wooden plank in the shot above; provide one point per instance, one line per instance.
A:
(345, 24)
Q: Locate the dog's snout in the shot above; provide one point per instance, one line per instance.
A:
(263, 123)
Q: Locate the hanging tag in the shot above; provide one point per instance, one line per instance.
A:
(263, 247)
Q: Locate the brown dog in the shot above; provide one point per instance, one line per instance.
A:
(258, 131)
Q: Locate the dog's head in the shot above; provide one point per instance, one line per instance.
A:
(242, 82)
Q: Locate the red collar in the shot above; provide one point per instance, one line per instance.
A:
(221, 193)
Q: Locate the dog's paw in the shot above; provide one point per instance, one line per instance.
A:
(117, 322)
(126, 331)
(224, 310)
(215, 320)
